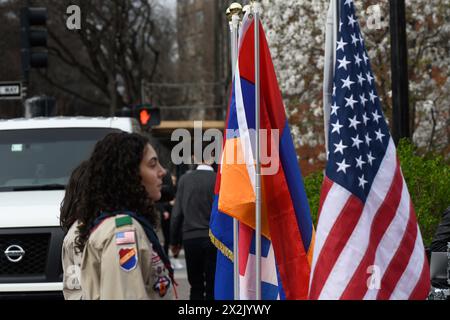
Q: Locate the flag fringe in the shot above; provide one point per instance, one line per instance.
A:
(220, 246)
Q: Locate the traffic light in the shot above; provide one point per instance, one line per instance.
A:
(147, 115)
(33, 38)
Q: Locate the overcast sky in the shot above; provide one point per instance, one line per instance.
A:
(168, 3)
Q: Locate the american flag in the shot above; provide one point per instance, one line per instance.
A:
(368, 243)
(125, 237)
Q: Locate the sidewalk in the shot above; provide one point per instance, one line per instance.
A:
(179, 266)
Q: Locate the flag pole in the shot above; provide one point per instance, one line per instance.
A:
(256, 10)
(233, 14)
(336, 29)
(330, 62)
(230, 24)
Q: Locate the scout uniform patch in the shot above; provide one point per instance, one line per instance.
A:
(123, 221)
(125, 237)
(162, 282)
(162, 285)
(128, 257)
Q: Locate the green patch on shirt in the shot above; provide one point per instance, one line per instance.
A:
(123, 221)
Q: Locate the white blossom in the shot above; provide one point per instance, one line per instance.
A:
(296, 35)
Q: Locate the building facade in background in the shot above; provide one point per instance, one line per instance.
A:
(204, 71)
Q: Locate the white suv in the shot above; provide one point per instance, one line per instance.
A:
(37, 156)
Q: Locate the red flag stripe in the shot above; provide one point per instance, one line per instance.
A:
(411, 276)
(423, 285)
(291, 257)
(245, 240)
(400, 260)
(335, 243)
(326, 186)
(357, 286)
(273, 101)
(332, 206)
(388, 247)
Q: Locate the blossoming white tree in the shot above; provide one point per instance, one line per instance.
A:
(296, 34)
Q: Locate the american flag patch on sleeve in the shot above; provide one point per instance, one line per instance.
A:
(125, 237)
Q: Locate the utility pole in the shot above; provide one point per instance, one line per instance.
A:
(399, 70)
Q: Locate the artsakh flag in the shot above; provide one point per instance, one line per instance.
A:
(288, 233)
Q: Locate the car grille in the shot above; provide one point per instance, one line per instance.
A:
(34, 259)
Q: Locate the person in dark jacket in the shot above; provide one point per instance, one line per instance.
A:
(439, 244)
(191, 213)
(442, 235)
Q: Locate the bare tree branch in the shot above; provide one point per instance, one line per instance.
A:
(67, 90)
(72, 60)
(120, 43)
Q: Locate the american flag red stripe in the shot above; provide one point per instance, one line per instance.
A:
(422, 284)
(413, 275)
(326, 186)
(400, 259)
(356, 288)
(336, 241)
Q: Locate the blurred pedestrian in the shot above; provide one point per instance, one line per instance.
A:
(122, 256)
(71, 257)
(190, 226)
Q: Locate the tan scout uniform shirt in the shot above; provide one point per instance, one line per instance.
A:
(104, 275)
(71, 263)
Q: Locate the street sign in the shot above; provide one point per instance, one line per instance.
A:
(10, 90)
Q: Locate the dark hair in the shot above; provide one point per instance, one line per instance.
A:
(72, 197)
(113, 182)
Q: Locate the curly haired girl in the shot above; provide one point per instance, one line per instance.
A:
(122, 256)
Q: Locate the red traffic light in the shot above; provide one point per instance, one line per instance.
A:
(144, 117)
(147, 115)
